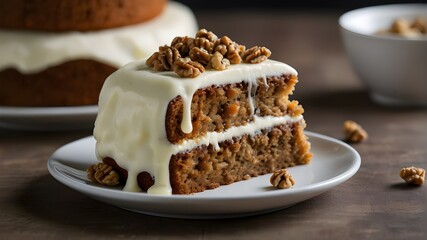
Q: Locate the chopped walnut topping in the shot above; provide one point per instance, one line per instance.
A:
(103, 173)
(206, 50)
(229, 49)
(222, 42)
(255, 54)
(413, 175)
(154, 62)
(184, 67)
(282, 179)
(200, 55)
(163, 59)
(167, 56)
(233, 54)
(203, 33)
(204, 43)
(354, 133)
(225, 41)
(221, 49)
(240, 48)
(218, 62)
(183, 44)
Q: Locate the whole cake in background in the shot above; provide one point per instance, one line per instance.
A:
(198, 113)
(59, 52)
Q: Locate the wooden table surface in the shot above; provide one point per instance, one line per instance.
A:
(375, 203)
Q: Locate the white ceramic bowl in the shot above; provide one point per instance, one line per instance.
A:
(394, 68)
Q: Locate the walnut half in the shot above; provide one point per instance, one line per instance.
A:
(187, 68)
(406, 28)
(282, 179)
(353, 132)
(255, 54)
(413, 175)
(103, 174)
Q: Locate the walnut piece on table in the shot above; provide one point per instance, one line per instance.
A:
(282, 179)
(353, 132)
(413, 175)
(103, 174)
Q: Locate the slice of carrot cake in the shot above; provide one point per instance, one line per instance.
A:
(200, 113)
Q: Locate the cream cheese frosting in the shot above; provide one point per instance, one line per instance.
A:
(31, 51)
(130, 126)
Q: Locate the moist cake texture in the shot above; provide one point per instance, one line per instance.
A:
(166, 134)
(71, 15)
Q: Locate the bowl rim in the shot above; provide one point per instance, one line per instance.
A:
(348, 14)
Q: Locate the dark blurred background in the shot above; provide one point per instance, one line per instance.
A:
(282, 4)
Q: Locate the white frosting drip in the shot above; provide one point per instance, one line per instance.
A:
(32, 51)
(130, 126)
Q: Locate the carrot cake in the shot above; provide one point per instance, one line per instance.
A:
(199, 113)
(59, 53)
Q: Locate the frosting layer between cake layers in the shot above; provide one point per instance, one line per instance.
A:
(34, 51)
(130, 127)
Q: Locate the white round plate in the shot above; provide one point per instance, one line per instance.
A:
(48, 118)
(333, 163)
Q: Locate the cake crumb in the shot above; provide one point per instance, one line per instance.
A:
(282, 179)
(232, 109)
(353, 132)
(413, 175)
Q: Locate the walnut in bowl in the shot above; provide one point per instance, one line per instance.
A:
(393, 67)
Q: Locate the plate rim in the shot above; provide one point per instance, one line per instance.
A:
(47, 119)
(140, 196)
(28, 112)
